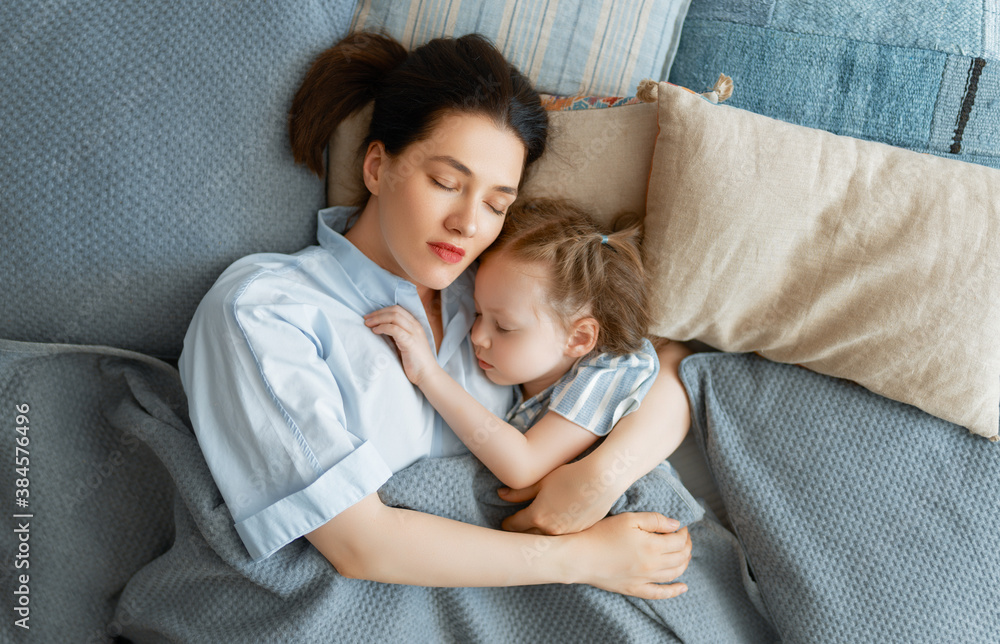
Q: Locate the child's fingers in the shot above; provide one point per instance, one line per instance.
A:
(391, 315)
(402, 337)
(521, 495)
(387, 309)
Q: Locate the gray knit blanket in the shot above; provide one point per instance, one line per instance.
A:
(130, 539)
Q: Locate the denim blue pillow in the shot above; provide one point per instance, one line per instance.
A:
(145, 148)
(919, 75)
(853, 532)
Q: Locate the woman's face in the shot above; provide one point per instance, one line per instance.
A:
(442, 201)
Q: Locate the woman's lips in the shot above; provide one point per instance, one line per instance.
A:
(447, 252)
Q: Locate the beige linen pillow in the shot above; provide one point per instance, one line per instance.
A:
(599, 158)
(852, 258)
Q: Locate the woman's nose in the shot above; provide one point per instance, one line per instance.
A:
(463, 218)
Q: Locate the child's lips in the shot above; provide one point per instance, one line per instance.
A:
(485, 366)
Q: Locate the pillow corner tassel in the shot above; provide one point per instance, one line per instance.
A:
(648, 89)
(721, 91)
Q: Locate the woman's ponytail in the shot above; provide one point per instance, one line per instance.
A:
(341, 81)
(410, 92)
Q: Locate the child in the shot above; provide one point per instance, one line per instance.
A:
(560, 311)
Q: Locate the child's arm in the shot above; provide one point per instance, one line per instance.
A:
(579, 494)
(517, 459)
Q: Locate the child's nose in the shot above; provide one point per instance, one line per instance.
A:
(479, 339)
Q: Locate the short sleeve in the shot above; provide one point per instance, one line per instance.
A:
(268, 413)
(603, 388)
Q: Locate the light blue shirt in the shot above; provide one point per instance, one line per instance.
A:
(599, 390)
(300, 409)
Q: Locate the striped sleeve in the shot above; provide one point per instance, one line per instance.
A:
(603, 388)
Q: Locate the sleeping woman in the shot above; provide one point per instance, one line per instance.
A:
(303, 413)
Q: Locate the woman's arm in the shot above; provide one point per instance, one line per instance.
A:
(576, 495)
(633, 553)
(517, 459)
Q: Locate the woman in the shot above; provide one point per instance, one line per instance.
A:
(292, 398)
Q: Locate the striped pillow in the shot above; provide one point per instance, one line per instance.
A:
(568, 48)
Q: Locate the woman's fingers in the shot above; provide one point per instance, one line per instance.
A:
(661, 591)
(675, 555)
(669, 551)
(655, 522)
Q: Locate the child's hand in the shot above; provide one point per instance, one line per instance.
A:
(411, 341)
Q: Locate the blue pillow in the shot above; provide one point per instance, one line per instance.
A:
(572, 47)
(145, 148)
(919, 75)
(862, 518)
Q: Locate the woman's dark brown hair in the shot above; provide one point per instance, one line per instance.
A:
(410, 92)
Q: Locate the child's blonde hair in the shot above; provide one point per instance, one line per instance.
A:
(593, 271)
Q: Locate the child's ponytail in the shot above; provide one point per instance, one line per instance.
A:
(341, 81)
(619, 298)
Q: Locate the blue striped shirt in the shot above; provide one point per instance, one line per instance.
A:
(596, 393)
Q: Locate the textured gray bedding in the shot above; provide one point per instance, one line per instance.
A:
(130, 536)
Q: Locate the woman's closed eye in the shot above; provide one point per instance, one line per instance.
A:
(496, 211)
(442, 185)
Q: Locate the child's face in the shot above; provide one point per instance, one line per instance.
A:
(517, 337)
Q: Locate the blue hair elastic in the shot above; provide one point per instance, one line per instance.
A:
(604, 239)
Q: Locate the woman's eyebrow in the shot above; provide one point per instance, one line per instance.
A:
(455, 163)
(464, 169)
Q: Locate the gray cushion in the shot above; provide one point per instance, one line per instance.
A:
(145, 148)
(853, 532)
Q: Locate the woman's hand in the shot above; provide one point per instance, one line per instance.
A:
(411, 340)
(570, 498)
(635, 553)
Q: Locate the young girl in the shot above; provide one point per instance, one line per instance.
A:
(561, 312)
